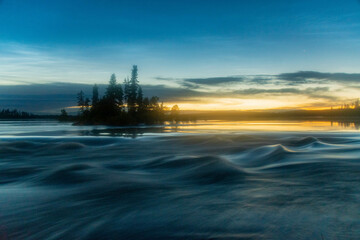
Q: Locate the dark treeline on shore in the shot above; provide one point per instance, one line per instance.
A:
(346, 112)
(328, 115)
(15, 114)
(122, 104)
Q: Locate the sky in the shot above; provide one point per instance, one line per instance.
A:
(201, 55)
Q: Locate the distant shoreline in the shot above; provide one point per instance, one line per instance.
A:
(294, 115)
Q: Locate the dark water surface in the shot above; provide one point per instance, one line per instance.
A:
(195, 181)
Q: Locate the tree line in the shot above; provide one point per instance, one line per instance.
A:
(122, 104)
(15, 114)
(349, 106)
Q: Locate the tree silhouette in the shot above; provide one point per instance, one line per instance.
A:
(7, 113)
(63, 115)
(109, 109)
(146, 103)
(81, 101)
(126, 89)
(95, 96)
(139, 99)
(114, 92)
(357, 104)
(133, 88)
(87, 104)
(175, 113)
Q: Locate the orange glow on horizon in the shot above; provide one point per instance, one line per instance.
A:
(231, 104)
(237, 105)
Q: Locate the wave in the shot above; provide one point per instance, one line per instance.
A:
(68, 174)
(183, 186)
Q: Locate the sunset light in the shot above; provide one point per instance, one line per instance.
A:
(179, 120)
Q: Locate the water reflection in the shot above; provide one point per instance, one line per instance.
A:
(223, 127)
(231, 126)
(347, 124)
(54, 128)
(132, 132)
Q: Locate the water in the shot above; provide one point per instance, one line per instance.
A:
(209, 180)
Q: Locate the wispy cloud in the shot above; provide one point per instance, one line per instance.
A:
(315, 93)
(283, 79)
(35, 64)
(310, 76)
(214, 80)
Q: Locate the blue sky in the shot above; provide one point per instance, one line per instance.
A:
(84, 41)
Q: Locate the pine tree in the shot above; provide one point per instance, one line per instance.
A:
(119, 95)
(95, 96)
(175, 113)
(357, 104)
(146, 103)
(63, 115)
(81, 100)
(87, 104)
(139, 99)
(111, 89)
(107, 110)
(133, 88)
(154, 103)
(126, 89)
(114, 92)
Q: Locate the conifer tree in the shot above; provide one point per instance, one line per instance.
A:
(133, 88)
(95, 96)
(63, 115)
(126, 89)
(175, 113)
(107, 110)
(114, 92)
(146, 103)
(119, 94)
(81, 100)
(87, 104)
(139, 99)
(111, 89)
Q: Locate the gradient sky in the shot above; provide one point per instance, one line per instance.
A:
(229, 54)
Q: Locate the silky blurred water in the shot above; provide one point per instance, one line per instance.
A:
(204, 180)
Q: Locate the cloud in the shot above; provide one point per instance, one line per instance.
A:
(316, 93)
(309, 76)
(262, 80)
(171, 93)
(168, 79)
(197, 83)
(285, 79)
(214, 80)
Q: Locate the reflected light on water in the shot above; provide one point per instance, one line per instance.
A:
(283, 126)
(55, 129)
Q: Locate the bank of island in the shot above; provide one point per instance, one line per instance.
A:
(122, 104)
